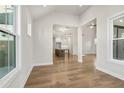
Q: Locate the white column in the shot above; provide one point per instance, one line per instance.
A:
(80, 44)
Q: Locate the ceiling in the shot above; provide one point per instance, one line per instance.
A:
(40, 10)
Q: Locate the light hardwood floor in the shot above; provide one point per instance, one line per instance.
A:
(68, 73)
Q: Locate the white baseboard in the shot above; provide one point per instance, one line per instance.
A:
(42, 64)
(121, 77)
(26, 77)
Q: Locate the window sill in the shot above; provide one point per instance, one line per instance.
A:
(119, 62)
(4, 82)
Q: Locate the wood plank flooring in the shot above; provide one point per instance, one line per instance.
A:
(68, 73)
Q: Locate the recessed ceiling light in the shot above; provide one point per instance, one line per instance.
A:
(120, 20)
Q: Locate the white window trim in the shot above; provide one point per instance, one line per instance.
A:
(8, 78)
(110, 38)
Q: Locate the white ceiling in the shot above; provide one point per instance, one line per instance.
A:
(39, 10)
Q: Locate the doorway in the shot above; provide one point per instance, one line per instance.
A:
(64, 44)
(89, 41)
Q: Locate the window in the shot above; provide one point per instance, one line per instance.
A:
(7, 39)
(118, 38)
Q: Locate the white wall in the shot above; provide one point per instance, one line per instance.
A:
(43, 35)
(74, 42)
(26, 45)
(25, 65)
(102, 13)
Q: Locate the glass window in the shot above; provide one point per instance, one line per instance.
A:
(3, 54)
(7, 40)
(10, 14)
(2, 17)
(7, 16)
(118, 39)
(12, 51)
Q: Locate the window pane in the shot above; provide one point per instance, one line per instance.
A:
(12, 51)
(7, 40)
(115, 32)
(118, 43)
(115, 49)
(118, 32)
(10, 14)
(7, 15)
(3, 54)
(121, 32)
(118, 49)
(3, 17)
(7, 53)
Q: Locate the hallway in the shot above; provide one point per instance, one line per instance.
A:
(71, 75)
(43, 46)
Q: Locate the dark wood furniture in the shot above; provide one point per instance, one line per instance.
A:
(61, 52)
